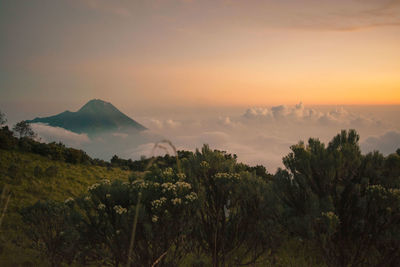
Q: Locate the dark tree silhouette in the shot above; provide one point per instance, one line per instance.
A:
(3, 119)
(24, 129)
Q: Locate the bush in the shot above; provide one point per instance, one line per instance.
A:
(38, 172)
(7, 139)
(233, 223)
(51, 171)
(346, 203)
(108, 211)
(50, 227)
(13, 171)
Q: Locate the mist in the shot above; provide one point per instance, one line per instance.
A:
(257, 135)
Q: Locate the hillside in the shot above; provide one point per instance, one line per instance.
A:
(95, 117)
(330, 206)
(31, 177)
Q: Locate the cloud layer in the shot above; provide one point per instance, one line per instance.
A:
(387, 143)
(56, 134)
(259, 135)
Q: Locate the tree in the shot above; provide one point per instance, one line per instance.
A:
(24, 129)
(346, 203)
(232, 222)
(3, 119)
(7, 139)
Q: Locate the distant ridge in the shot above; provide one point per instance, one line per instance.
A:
(96, 116)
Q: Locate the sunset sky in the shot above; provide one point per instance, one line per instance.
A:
(160, 53)
(249, 77)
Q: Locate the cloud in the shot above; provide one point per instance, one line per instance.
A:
(298, 114)
(386, 143)
(144, 150)
(162, 124)
(196, 140)
(339, 15)
(56, 134)
(258, 135)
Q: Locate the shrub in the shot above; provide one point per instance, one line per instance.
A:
(50, 227)
(51, 171)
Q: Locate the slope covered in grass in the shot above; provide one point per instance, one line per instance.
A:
(27, 178)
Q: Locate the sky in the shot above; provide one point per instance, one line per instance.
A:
(251, 77)
(161, 53)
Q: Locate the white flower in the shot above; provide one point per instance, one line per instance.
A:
(105, 181)
(191, 197)
(224, 175)
(87, 198)
(168, 187)
(183, 185)
(204, 164)
(176, 201)
(93, 186)
(154, 218)
(70, 199)
(119, 210)
(108, 195)
(181, 176)
(140, 184)
(101, 206)
(168, 172)
(158, 202)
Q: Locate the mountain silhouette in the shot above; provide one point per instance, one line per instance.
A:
(95, 117)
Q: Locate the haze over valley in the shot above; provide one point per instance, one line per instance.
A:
(258, 135)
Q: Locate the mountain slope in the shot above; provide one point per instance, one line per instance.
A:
(30, 177)
(94, 117)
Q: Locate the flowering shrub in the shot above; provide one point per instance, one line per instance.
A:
(108, 210)
(230, 208)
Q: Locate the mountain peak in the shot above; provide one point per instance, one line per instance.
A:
(95, 117)
(98, 105)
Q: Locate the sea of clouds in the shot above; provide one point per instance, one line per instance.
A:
(258, 135)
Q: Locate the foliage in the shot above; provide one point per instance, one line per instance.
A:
(233, 225)
(349, 204)
(330, 206)
(24, 129)
(51, 230)
(142, 164)
(3, 119)
(16, 249)
(7, 140)
(107, 213)
(53, 150)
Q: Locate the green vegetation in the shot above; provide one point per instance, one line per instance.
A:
(330, 206)
(30, 177)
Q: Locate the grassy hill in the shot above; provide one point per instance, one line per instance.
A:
(27, 178)
(330, 206)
